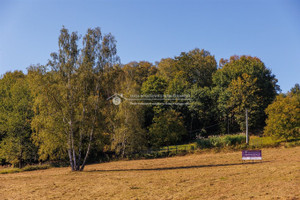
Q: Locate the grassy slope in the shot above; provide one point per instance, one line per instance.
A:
(27, 168)
(202, 176)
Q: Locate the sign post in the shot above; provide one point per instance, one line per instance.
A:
(247, 135)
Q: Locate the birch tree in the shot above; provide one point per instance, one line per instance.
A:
(71, 85)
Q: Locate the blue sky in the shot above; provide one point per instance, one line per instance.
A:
(151, 30)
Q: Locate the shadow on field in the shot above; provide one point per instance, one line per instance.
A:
(179, 167)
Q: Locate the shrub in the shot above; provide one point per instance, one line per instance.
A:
(231, 140)
(204, 143)
(220, 141)
(284, 117)
(35, 167)
(216, 141)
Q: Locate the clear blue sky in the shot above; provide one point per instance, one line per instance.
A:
(151, 30)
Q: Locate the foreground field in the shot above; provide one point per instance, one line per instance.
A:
(202, 176)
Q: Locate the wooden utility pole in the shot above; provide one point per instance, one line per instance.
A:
(247, 135)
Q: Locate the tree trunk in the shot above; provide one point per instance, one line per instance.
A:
(69, 145)
(88, 150)
(80, 132)
(73, 149)
(123, 145)
(20, 159)
(79, 151)
(70, 157)
(92, 131)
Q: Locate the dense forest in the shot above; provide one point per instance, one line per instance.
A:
(63, 111)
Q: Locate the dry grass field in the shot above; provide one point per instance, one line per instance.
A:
(197, 176)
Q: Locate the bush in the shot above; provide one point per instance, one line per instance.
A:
(204, 143)
(231, 140)
(284, 117)
(216, 141)
(220, 141)
(35, 167)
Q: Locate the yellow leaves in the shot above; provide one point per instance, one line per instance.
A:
(284, 117)
(243, 91)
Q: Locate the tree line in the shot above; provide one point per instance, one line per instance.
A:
(63, 111)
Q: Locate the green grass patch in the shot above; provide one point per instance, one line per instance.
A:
(183, 147)
(260, 142)
(292, 144)
(10, 170)
(35, 167)
(27, 168)
(267, 141)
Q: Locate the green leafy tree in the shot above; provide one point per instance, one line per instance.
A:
(295, 89)
(204, 109)
(154, 89)
(167, 129)
(243, 94)
(177, 96)
(284, 117)
(128, 134)
(226, 120)
(179, 85)
(266, 84)
(167, 68)
(139, 72)
(15, 117)
(46, 124)
(184, 73)
(154, 85)
(199, 65)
